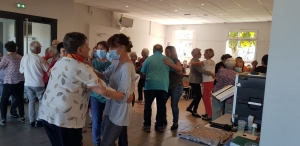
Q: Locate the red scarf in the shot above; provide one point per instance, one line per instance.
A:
(76, 57)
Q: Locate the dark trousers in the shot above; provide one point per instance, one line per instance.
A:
(112, 132)
(197, 94)
(14, 105)
(60, 136)
(141, 84)
(161, 97)
(8, 90)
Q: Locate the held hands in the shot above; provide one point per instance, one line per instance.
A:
(100, 89)
(212, 75)
(167, 61)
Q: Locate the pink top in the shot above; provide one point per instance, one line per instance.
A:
(11, 65)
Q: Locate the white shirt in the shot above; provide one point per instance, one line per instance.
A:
(33, 66)
(209, 65)
(66, 99)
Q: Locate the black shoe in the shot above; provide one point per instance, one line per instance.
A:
(206, 118)
(14, 115)
(174, 126)
(166, 123)
(2, 122)
(38, 124)
(204, 115)
(32, 124)
(21, 119)
(146, 129)
(159, 129)
(189, 110)
(196, 115)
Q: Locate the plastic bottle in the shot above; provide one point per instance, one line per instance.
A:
(254, 128)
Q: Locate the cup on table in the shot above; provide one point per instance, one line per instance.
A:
(241, 126)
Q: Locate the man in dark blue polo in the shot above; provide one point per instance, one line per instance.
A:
(156, 86)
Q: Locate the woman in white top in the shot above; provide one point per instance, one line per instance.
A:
(64, 105)
(121, 77)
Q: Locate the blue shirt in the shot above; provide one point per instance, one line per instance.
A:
(100, 67)
(157, 72)
(122, 79)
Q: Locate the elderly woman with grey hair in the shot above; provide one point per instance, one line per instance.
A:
(224, 77)
(195, 79)
(141, 84)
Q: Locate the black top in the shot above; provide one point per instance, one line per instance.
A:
(261, 69)
(175, 79)
(218, 65)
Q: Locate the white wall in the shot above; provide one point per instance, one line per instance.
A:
(82, 18)
(215, 36)
(143, 34)
(280, 122)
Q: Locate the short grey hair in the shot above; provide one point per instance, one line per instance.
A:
(34, 45)
(146, 51)
(131, 54)
(54, 49)
(230, 63)
(195, 51)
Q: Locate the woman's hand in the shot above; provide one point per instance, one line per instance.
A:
(212, 75)
(167, 61)
(129, 99)
(100, 89)
(254, 63)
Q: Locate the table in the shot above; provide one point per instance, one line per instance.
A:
(224, 119)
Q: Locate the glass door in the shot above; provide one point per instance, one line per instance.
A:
(40, 32)
(23, 29)
(7, 33)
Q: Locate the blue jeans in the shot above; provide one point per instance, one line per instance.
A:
(97, 108)
(175, 96)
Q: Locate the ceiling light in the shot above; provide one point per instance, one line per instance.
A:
(126, 6)
(175, 10)
(220, 14)
(202, 4)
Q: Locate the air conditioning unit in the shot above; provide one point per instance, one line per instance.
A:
(125, 22)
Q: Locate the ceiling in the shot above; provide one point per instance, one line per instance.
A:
(174, 12)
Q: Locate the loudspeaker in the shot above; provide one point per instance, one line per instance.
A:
(90, 10)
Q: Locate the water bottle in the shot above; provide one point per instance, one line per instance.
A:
(254, 128)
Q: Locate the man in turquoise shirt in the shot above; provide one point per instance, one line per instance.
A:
(156, 86)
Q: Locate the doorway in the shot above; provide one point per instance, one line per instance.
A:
(23, 29)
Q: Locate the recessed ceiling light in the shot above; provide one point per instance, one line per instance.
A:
(202, 4)
(175, 10)
(126, 6)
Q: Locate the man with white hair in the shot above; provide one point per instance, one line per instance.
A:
(33, 67)
(141, 84)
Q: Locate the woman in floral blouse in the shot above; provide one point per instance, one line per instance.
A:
(224, 77)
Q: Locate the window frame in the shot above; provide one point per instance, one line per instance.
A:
(243, 39)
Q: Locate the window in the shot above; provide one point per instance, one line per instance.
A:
(242, 44)
(183, 43)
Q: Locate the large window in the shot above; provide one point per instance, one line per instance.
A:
(183, 43)
(242, 44)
